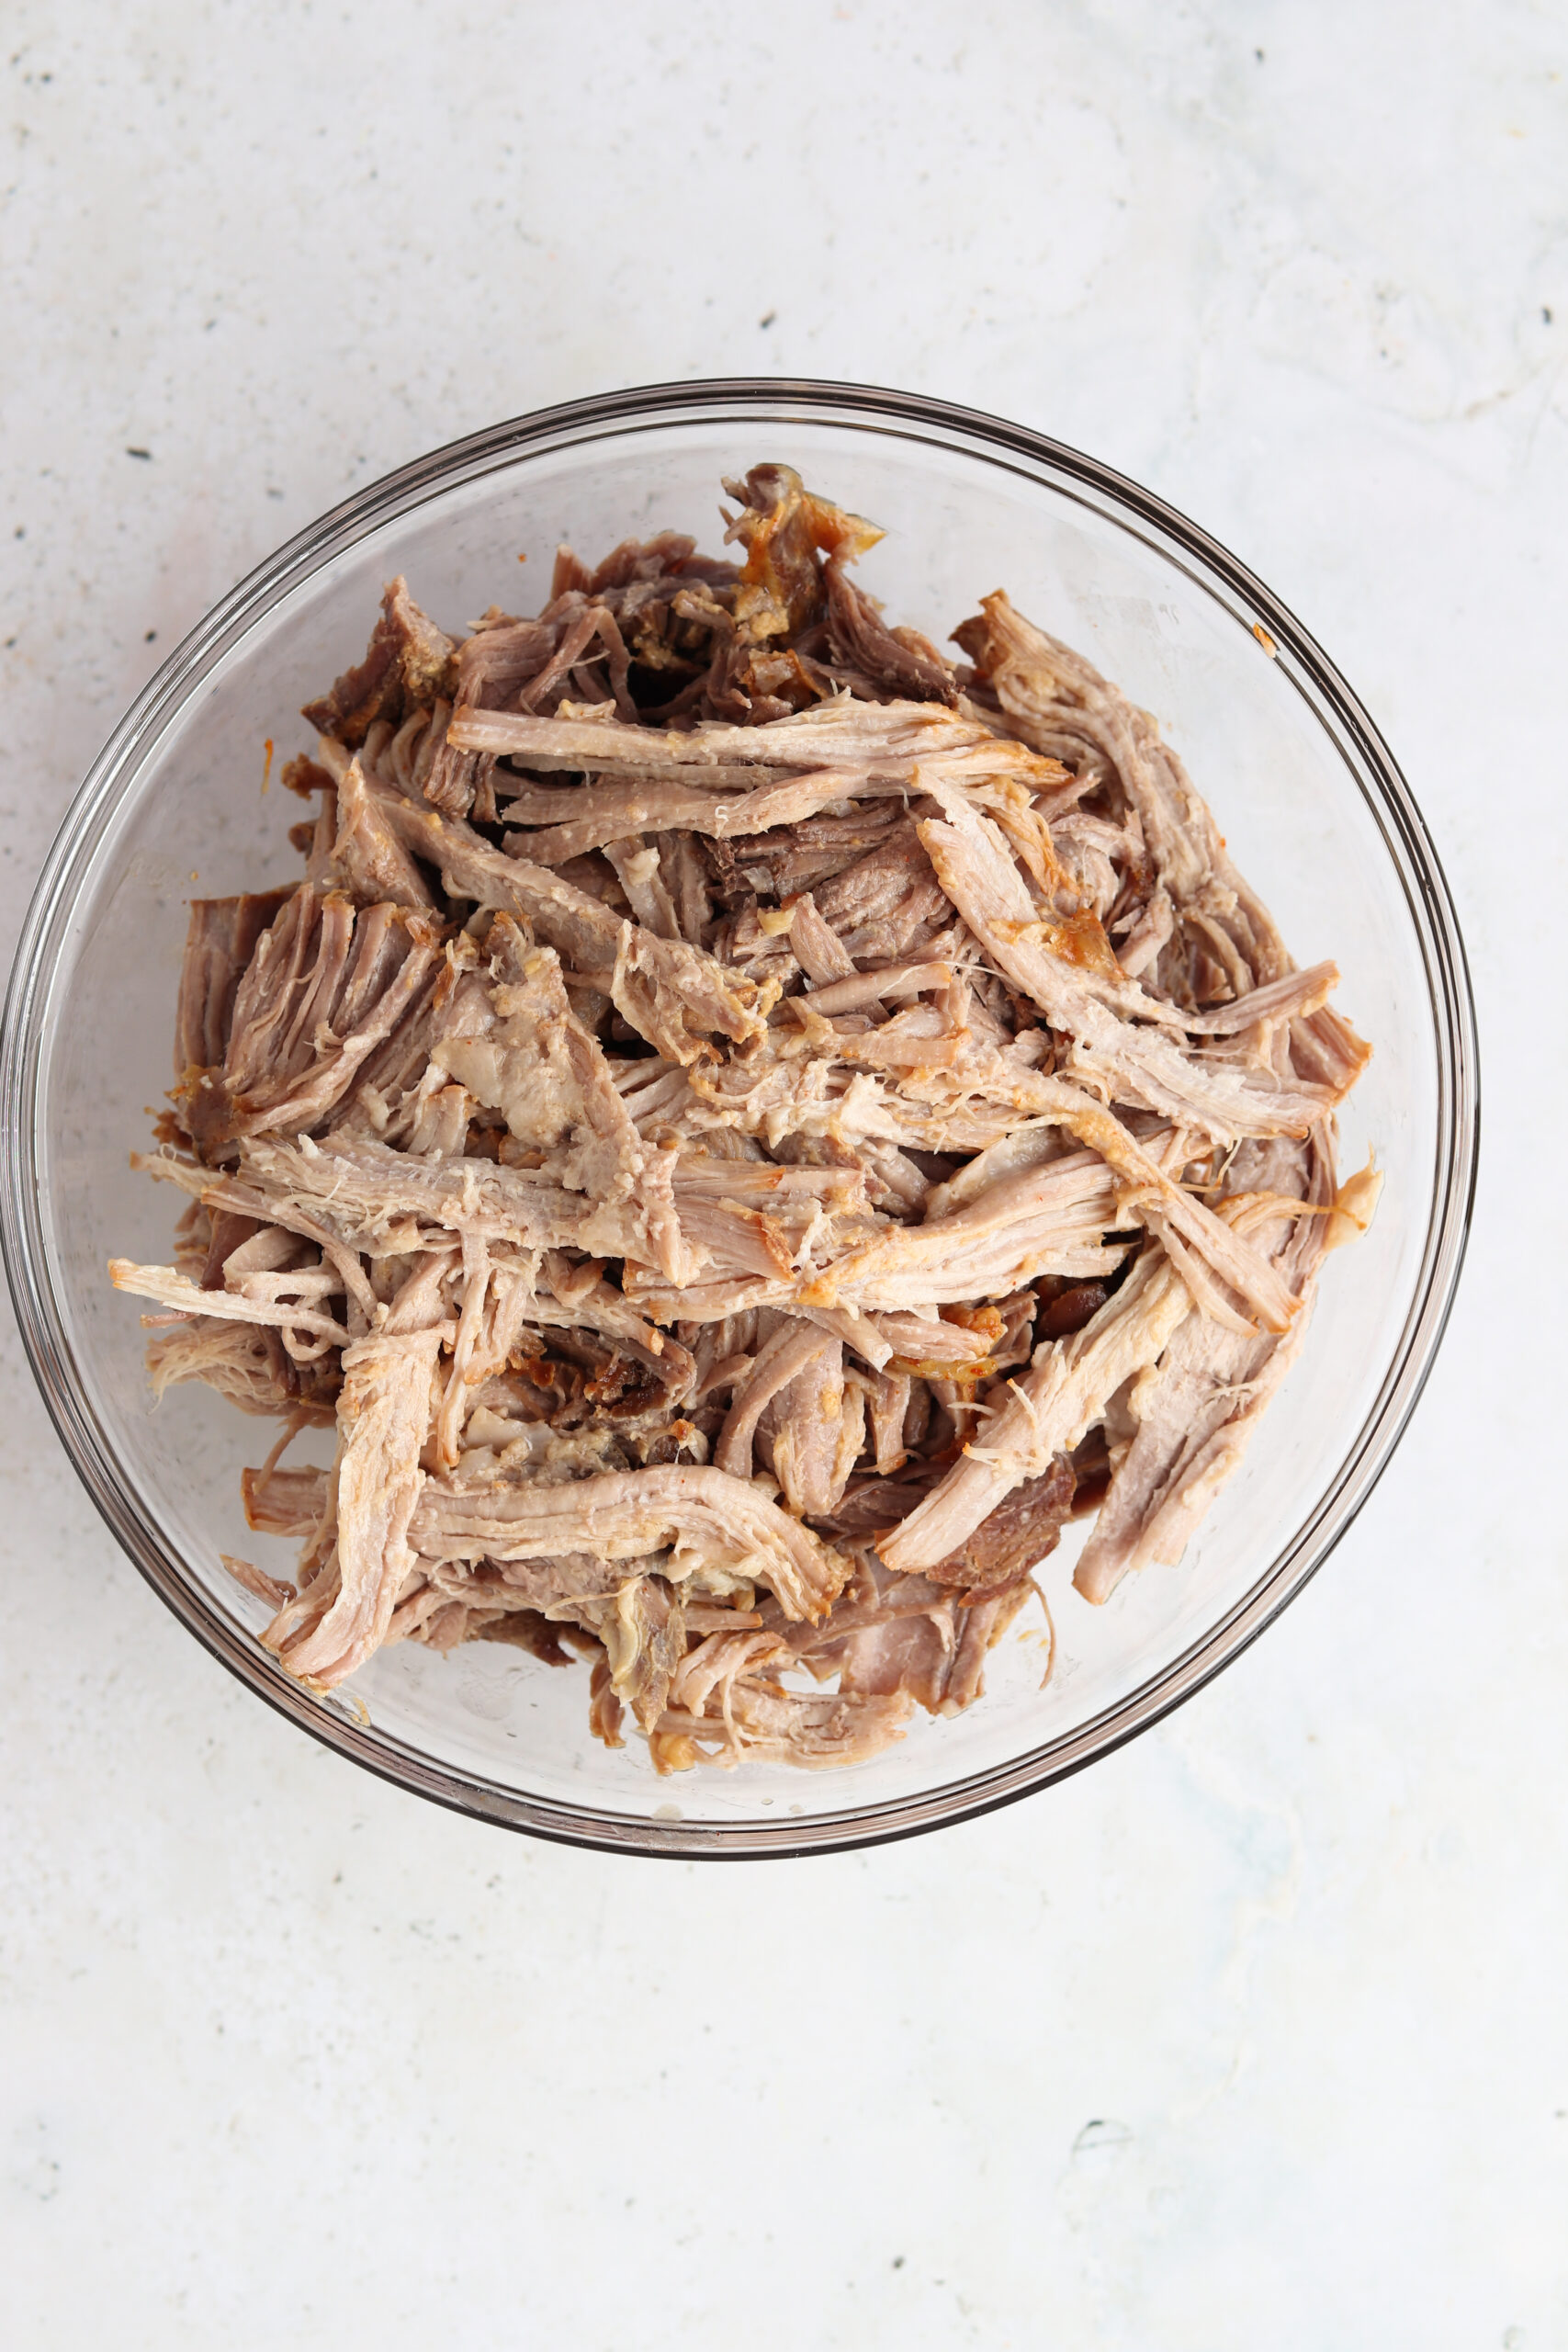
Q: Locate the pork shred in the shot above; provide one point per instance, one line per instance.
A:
(743, 1128)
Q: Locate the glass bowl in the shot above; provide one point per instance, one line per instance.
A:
(1318, 818)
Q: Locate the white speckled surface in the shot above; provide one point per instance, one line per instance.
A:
(1253, 2036)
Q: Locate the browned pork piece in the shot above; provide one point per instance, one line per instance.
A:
(741, 1130)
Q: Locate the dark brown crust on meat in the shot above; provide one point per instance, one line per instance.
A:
(409, 665)
(1018, 1536)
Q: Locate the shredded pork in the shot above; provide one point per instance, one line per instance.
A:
(743, 1129)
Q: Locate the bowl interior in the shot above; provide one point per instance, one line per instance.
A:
(182, 807)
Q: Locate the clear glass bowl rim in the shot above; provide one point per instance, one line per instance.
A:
(760, 400)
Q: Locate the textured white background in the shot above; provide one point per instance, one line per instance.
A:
(290, 2059)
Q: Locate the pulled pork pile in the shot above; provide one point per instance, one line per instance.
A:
(742, 1130)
